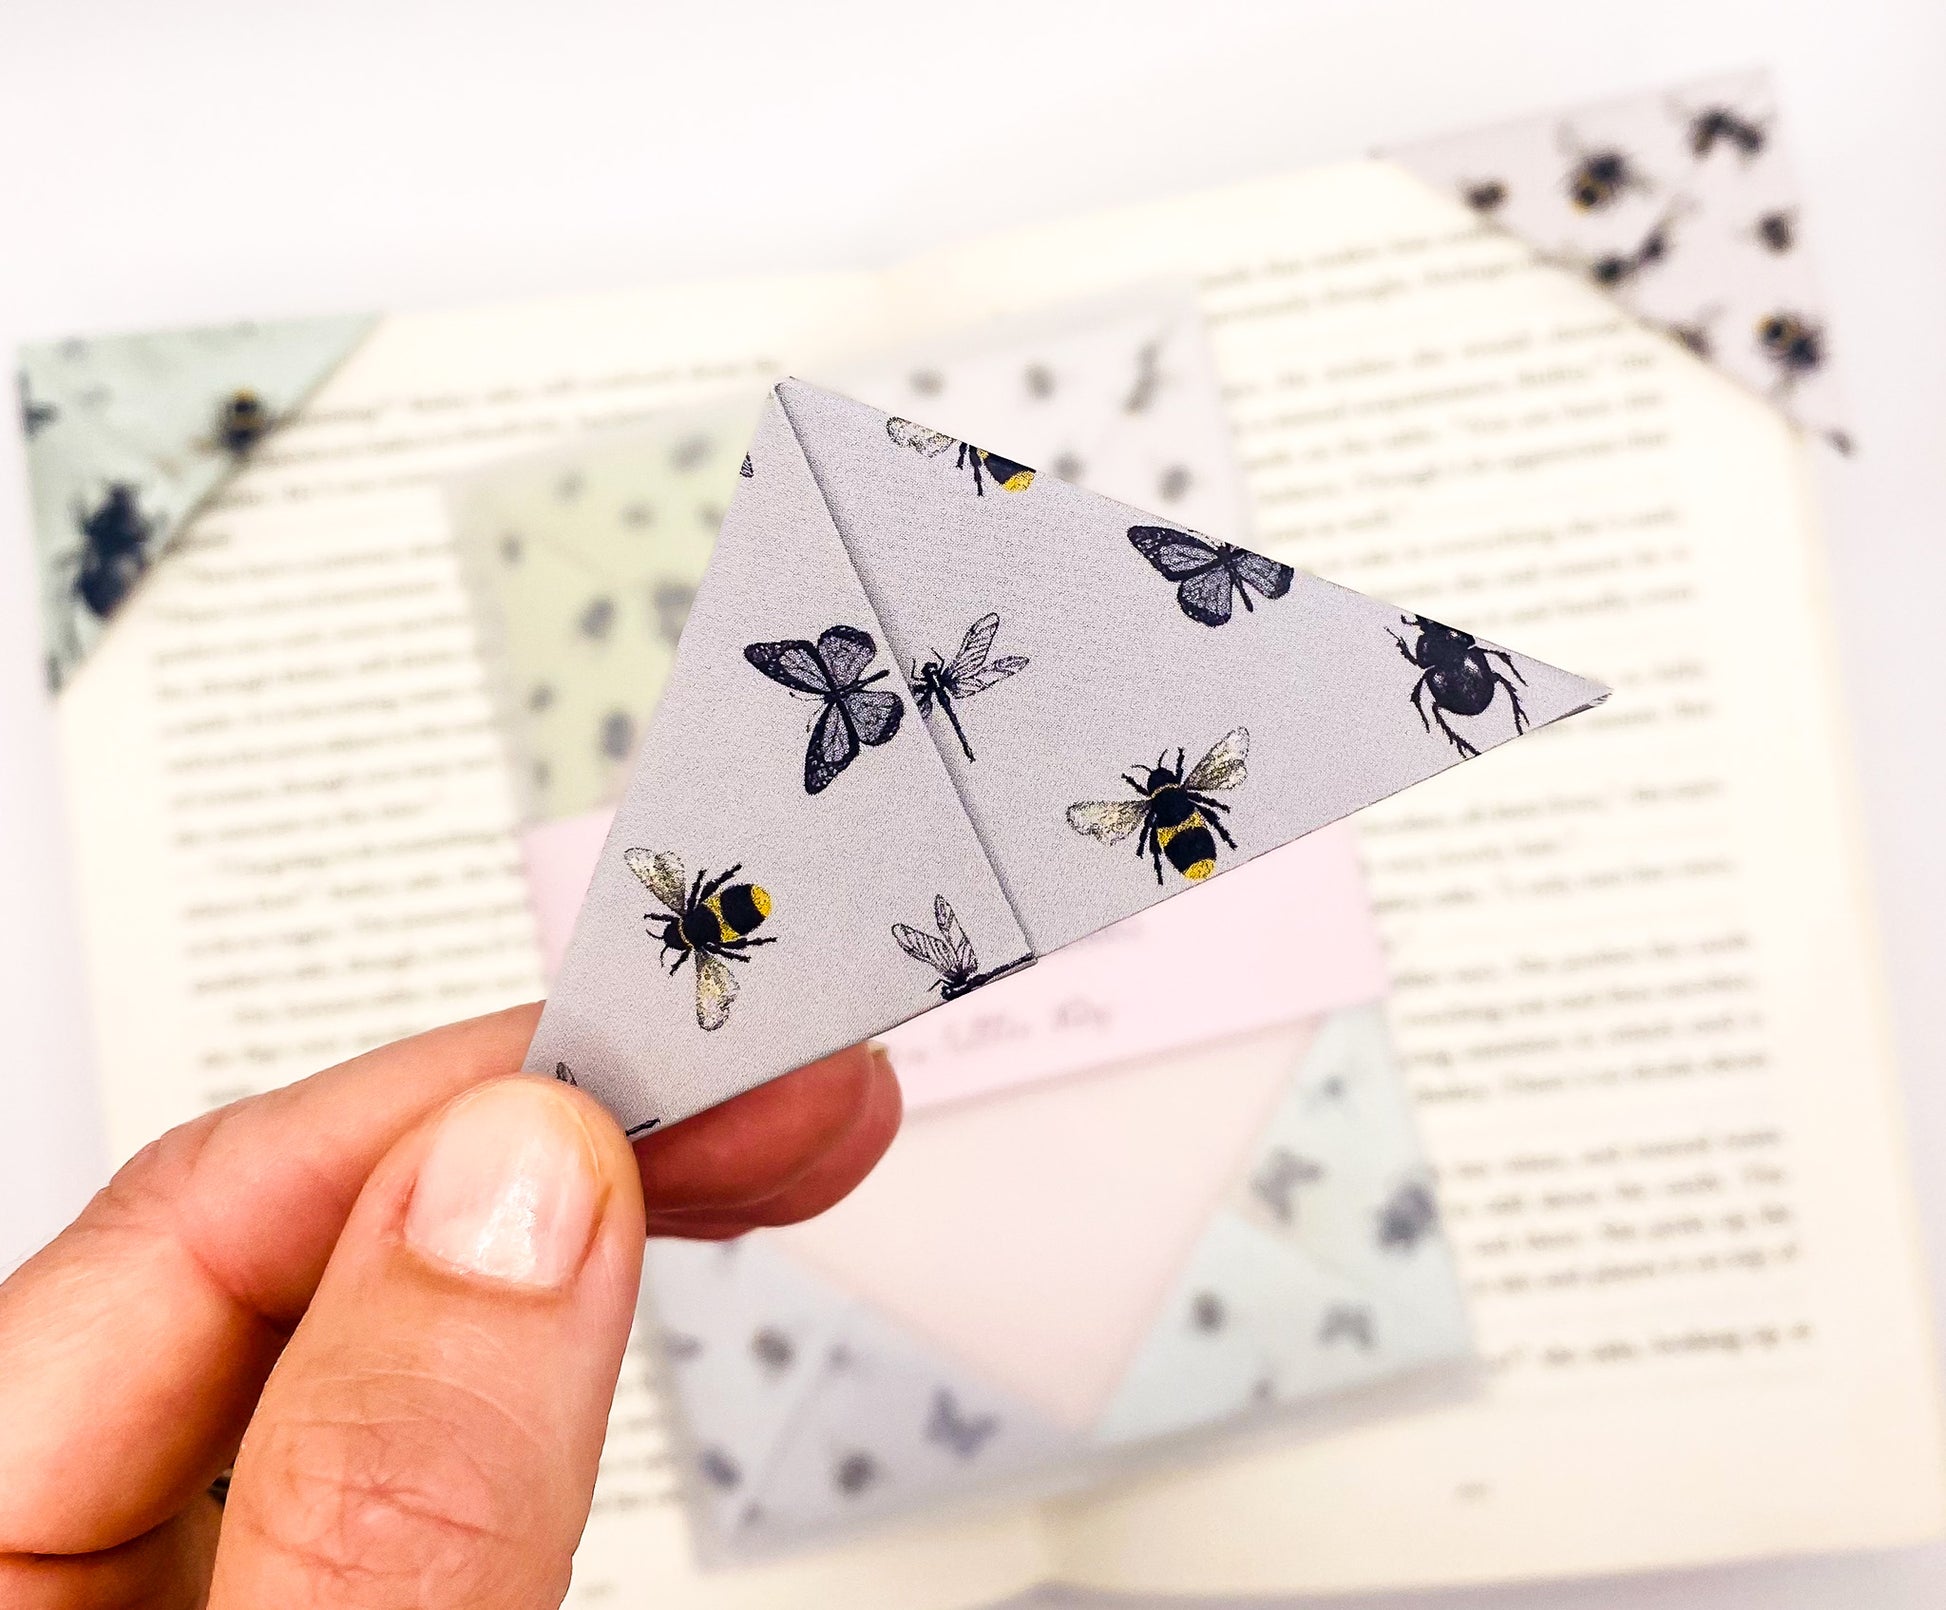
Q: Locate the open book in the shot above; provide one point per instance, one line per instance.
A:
(1635, 989)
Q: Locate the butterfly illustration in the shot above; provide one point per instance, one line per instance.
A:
(938, 683)
(854, 712)
(711, 923)
(965, 1434)
(1210, 575)
(1005, 473)
(949, 953)
(1174, 810)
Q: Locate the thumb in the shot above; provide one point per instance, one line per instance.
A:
(430, 1435)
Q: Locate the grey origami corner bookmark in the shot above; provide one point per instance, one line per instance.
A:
(128, 435)
(934, 715)
(1684, 208)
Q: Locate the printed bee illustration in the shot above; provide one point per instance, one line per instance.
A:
(832, 670)
(34, 416)
(1484, 195)
(711, 924)
(1177, 816)
(961, 1433)
(1601, 177)
(1211, 575)
(1407, 1217)
(242, 421)
(1794, 344)
(1004, 472)
(115, 539)
(1458, 672)
(937, 683)
(1724, 125)
(949, 953)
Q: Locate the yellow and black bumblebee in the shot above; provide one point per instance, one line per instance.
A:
(1005, 473)
(242, 421)
(1174, 809)
(1793, 343)
(1599, 178)
(711, 923)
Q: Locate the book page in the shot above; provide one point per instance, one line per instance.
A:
(1635, 986)
(294, 821)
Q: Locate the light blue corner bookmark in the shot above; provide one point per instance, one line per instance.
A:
(127, 435)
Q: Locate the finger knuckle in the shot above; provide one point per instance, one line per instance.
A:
(413, 1493)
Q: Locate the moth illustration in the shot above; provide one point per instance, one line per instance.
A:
(719, 1469)
(854, 713)
(1208, 1312)
(1174, 810)
(1484, 195)
(1458, 672)
(964, 1434)
(949, 953)
(938, 683)
(115, 539)
(1407, 1217)
(772, 1349)
(1005, 473)
(1211, 576)
(711, 924)
(1776, 231)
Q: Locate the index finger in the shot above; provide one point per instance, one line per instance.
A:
(138, 1341)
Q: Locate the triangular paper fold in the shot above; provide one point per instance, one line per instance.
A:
(1680, 205)
(128, 435)
(934, 714)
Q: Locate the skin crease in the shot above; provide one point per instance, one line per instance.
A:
(246, 1283)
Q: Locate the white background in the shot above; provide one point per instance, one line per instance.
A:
(169, 163)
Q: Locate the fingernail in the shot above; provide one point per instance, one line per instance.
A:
(509, 1187)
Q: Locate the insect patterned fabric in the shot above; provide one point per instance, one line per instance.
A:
(1005, 473)
(1212, 575)
(854, 713)
(710, 924)
(1683, 207)
(941, 685)
(1174, 811)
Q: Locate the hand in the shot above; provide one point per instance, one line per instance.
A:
(402, 1289)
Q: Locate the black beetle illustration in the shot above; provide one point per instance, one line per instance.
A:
(1459, 673)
